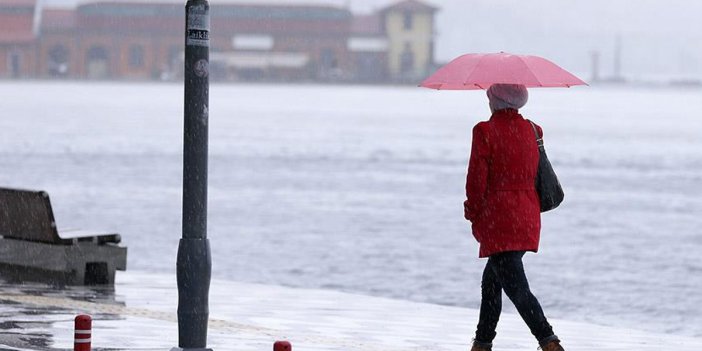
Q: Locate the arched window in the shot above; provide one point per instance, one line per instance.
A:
(58, 60)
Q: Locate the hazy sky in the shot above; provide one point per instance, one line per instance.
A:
(659, 38)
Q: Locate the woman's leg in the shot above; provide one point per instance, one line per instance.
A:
(509, 270)
(490, 305)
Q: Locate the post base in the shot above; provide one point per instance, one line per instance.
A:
(186, 349)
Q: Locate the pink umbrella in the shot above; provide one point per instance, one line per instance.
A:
(479, 71)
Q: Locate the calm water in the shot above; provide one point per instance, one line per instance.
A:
(360, 188)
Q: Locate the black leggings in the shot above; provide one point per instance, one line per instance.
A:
(505, 271)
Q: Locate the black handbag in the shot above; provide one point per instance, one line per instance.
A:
(547, 185)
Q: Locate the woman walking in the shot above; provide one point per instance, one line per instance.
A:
(503, 207)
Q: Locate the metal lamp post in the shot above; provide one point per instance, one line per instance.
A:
(194, 262)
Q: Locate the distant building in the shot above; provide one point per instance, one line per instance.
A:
(395, 43)
(409, 27)
(18, 40)
(128, 39)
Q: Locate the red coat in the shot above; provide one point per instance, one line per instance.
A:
(502, 203)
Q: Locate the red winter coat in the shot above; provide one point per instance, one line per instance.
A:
(502, 204)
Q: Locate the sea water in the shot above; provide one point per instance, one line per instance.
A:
(360, 189)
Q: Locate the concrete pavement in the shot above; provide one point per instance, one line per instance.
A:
(139, 313)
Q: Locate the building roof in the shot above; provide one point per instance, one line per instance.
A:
(281, 12)
(167, 17)
(131, 8)
(181, 3)
(13, 3)
(410, 5)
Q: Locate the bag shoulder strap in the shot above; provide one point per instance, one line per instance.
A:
(539, 139)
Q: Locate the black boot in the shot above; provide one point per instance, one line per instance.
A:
(481, 346)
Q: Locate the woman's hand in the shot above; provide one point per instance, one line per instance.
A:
(466, 213)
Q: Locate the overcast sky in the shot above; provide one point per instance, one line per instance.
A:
(659, 38)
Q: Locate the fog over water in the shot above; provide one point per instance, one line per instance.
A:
(659, 39)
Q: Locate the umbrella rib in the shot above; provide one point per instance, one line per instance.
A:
(531, 72)
(465, 81)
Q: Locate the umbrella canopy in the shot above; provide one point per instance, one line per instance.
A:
(479, 71)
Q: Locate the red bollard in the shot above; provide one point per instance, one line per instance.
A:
(83, 332)
(282, 346)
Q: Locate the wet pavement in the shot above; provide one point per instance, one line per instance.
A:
(139, 314)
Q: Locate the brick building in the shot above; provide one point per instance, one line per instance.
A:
(18, 39)
(132, 39)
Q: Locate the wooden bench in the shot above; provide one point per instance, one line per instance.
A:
(32, 249)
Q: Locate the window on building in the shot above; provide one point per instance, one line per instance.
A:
(97, 63)
(14, 62)
(97, 53)
(328, 59)
(407, 59)
(136, 56)
(408, 20)
(175, 55)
